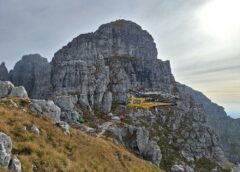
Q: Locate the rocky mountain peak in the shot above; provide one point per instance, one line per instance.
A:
(3, 72)
(33, 72)
(33, 58)
(120, 26)
(126, 38)
(118, 38)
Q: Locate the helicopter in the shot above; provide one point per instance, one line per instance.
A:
(145, 101)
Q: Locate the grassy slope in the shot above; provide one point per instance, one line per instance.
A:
(53, 151)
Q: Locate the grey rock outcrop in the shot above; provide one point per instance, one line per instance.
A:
(65, 127)
(138, 74)
(35, 129)
(137, 139)
(86, 79)
(69, 112)
(236, 169)
(225, 127)
(217, 169)
(107, 102)
(181, 168)
(5, 88)
(46, 107)
(177, 168)
(15, 164)
(5, 150)
(33, 72)
(19, 92)
(3, 72)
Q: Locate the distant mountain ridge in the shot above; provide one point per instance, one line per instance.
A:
(227, 128)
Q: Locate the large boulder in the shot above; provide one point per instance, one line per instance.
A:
(33, 72)
(66, 103)
(46, 107)
(5, 88)
(69, 112)
(3, 72)
(15, 164)
(5, 150)
(19, 92)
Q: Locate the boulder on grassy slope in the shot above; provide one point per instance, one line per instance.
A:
(46, 107)
(5, 150)
(19, 92)
(5, 88)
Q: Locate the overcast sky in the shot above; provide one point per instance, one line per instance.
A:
(201, 38)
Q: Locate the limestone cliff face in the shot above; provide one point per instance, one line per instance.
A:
(32, 72)
(82, 67)
(138, 74)
(102, 67)
(227, 129)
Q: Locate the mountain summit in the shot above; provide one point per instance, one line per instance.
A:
(118, 38)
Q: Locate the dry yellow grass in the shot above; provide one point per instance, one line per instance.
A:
(52, 151)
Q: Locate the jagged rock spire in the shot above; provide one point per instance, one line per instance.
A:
(3, 72)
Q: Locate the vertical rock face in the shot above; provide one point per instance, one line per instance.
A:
(3, 72)
(32, 72)
(138, 74)
(86, 79)
(137, 139)
(82, 67)
(225, 127)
